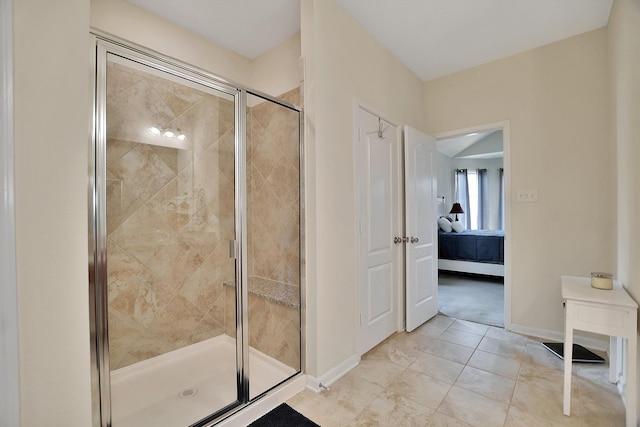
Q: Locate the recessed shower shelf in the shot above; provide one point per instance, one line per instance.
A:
(271, 290)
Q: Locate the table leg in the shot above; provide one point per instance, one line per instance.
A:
(613, 359)
(632, 403)
(568, 358)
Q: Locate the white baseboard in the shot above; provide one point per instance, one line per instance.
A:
(333, 375)
(263, 405)
(593, 343)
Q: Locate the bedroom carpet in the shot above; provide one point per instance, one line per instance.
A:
(474, 298)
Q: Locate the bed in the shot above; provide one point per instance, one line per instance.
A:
(472, 251)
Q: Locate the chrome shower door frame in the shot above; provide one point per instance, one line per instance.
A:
(101, 396)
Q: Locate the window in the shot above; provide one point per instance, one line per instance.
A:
(472, 194)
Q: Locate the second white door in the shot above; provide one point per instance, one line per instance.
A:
(380, 270)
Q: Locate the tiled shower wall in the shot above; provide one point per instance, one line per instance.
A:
(170, 215)
(273, 175)
(273, 222)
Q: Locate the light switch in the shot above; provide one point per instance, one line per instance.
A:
(528, 195)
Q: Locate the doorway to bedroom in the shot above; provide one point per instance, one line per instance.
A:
(472, 220)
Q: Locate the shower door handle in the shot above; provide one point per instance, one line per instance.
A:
(233, 249)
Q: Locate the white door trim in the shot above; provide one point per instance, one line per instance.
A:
(9, 359)
(399, 289)
(506, 142)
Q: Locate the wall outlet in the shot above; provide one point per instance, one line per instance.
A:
(529, 195)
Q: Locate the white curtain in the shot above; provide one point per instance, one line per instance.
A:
(501, 201)
(483, 199)
(462, 196)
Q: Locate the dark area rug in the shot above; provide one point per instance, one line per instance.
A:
(283, 416)
(580, 354)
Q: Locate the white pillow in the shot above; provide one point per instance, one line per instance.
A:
(444, 224)
(457, 226)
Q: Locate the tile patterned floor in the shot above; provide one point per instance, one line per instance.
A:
(452, 372)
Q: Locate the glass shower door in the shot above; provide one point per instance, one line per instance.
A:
(273, 241)
(169, 190)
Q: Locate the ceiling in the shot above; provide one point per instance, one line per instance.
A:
(431, 37)
(247, 27)
(452, 146)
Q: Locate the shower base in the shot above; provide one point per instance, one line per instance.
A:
(188, 384)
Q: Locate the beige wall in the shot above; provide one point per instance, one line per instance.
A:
(624, 61)
(134, 24)
(556, 99)
(278, 70)
(343, 64)
(51, 109)
(624, 49)
(274, 72)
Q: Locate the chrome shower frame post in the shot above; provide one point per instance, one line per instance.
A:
(98, 244)
(242, 294)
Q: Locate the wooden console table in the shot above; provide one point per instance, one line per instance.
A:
(608, 312)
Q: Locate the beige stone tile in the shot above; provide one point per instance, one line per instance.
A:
(542, 402)
(471, 327)
(378, 372)
(441, 420)
(353, 393)
(393, 410)
(119, 80)
(177, 323)
(143, 235)
(473, 408)
(536, 354)
(517, 417)
(142, 172)
(504, 335)
(495, 364)
(178, 98)
(412, 385)
(487, 384)
(460, 337)
(599, 398)
(140, 103)
(142, 301)
(319, 408)
(434, 327)
(394, 350)
(413, 341)
(437, 367)
(601, 413)
(116, 148)
(114, 204)
(204, 287)
(176, 203)
(501, 348)
(447, 350)
(595, 372)
(176, 263)
(122, 267)
(544, 377)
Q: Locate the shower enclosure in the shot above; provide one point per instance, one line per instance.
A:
(195, 258)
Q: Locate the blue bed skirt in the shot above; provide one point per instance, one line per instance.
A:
(472, 245)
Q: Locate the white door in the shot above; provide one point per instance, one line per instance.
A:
(421, 257)
(378, 156)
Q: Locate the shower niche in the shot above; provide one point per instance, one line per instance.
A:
(195, 259)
